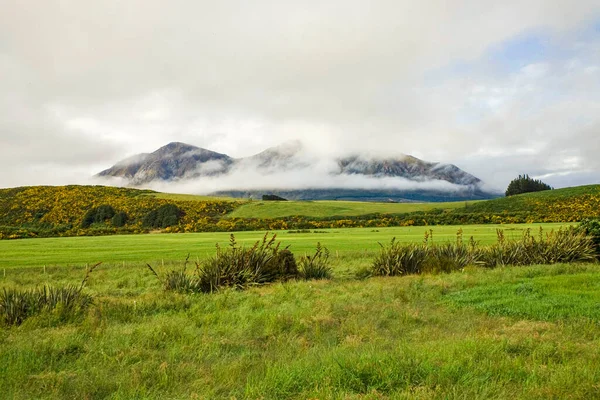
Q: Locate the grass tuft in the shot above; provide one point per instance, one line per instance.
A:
(234, 267)
(16, 305)
(562, 246)
(316, 266)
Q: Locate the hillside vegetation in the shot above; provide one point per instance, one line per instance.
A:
(558, 205)
(60, 211)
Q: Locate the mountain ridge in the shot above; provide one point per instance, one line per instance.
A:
(176, 162)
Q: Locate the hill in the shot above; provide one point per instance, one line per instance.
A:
(60, 210)
(558, 205)
(43, 211)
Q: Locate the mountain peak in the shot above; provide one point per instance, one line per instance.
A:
(176, 148)
(179, 161)
(175, 160)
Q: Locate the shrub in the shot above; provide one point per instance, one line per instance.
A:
(16, 305)
(178, 280)
(525, 184)
(562, 246)
(449, 257)
(272, 197)
(284, 265)
(591, 227)
(96, 215)
(163, 217)
(398, 259)
(240, 267)
(317, 266)
(235, 267)
(119, 219)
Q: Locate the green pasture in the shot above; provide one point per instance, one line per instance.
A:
(345, 243)
(509, 333)
(321, 209)
(189, 197)
(506, 333)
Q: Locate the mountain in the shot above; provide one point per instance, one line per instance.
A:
(279, 158)
(171, 162)
(406, 167)
(179, 161)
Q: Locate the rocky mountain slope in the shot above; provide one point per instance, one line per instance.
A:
(183, 162)
(173, 161)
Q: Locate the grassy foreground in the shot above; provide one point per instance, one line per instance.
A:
(157, 248)
(529, 332)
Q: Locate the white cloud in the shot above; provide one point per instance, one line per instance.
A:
(88, 83)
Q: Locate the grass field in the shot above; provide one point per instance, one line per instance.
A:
(529, 332)
(154, 248)
(514, 332)
(189, 197)
(320, 209)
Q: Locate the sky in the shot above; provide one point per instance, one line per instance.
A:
(497, 88)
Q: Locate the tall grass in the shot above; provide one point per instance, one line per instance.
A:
(562, 246)
(235, 267)
(449, 257)
(177, 280)
(591, 227)
(16, 305)
(400, 259)
(316, 266)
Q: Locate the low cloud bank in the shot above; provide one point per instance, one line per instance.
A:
(297, 172)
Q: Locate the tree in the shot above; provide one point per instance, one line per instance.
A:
(119, 219)
(163, 217)
(525, 184)
(97, 215)
(272, 197)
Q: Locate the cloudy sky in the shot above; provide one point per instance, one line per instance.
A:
(497, 87)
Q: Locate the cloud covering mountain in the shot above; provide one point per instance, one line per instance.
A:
(291, 168)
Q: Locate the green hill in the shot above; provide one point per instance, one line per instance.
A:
(559, 205)
(43, 211)
(60, 210)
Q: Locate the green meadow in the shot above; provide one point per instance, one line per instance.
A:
(321, 209)
(512, 332)
(153, 248)
(528, 332)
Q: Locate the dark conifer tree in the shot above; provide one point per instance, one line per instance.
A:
(525, 184)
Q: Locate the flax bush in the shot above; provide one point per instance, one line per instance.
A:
(562, 246)
(69, 302)
(235, 267)
(316, 266)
